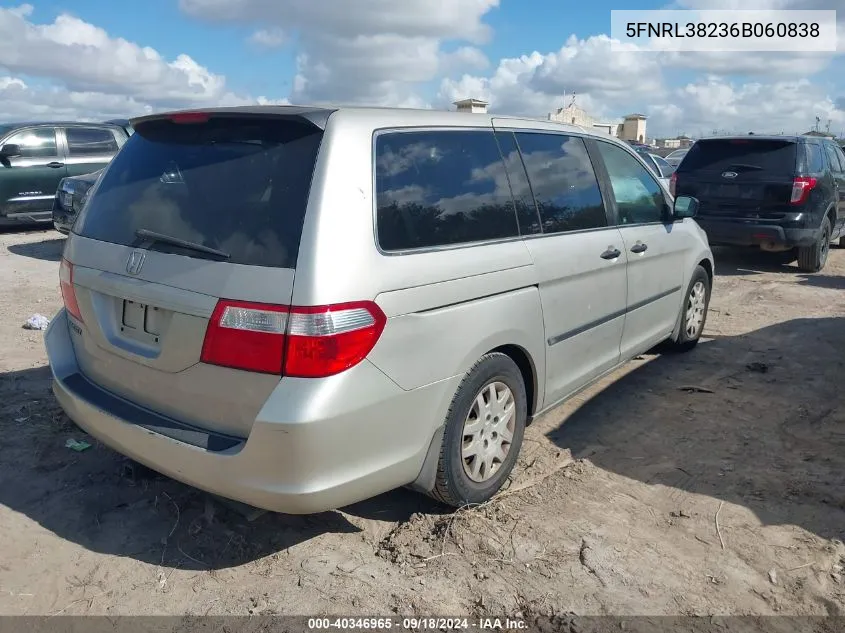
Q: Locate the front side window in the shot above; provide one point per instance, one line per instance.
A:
(82, 141)
(441, 188)
(563, 181)
(37, 143)
(639, 198)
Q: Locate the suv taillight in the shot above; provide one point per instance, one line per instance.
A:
(305, 342)
(68, 292)
(801, 188)
(673, 183)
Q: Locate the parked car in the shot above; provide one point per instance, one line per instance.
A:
(776, 193)
(35, 157)
(302, 307)
(658, 165)
(70, 198)
(675, 158)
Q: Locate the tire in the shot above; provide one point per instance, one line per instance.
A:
(811, 259)
(688, 336)
(454, 484)
(842, 242)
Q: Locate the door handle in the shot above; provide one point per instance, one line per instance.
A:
(639, 248)
(611, 253)
(55, 165)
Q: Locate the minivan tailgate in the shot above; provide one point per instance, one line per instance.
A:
(190, 212)
(142, 340)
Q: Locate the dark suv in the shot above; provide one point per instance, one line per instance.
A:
(35, 157)
(776, 193)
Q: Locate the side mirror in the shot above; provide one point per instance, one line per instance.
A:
(10, 150)
(685, 207)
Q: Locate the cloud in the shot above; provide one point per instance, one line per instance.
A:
(373, 51)
(71, 68)
(713, 104)
(269, 38)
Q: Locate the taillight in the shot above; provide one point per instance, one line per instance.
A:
(801, 188)
(326, 340)
(673, 183)
(306, 342)
(68, 292)
(249, 336)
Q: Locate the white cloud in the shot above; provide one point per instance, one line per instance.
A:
(269, 38)
(83, 72)
(712, 104)
(372, 51)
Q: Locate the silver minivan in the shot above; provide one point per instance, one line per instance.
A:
(303, 307)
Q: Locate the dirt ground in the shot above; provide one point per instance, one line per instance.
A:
(706, 483)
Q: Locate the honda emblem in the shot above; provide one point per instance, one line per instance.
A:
(135, 262)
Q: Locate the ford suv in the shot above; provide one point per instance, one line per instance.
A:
(776, 193)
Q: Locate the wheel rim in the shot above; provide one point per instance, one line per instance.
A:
(488, 431)
(696, 306)
(825, 247)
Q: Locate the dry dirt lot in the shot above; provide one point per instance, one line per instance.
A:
(707, 483)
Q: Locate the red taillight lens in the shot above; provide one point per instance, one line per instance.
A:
(249, 336)
(305, 342)
(673, 183)
(801, 188)
(326, 340)
(68, 292)
(189, 117)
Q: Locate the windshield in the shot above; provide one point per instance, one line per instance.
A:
(234, 185)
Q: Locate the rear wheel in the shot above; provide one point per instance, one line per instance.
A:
(842, 242)
(693, 312)
(484, 430)
(811, 259)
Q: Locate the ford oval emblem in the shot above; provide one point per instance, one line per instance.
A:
(729, 174)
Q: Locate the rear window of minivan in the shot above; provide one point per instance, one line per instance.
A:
(774, 156)
(236, 185)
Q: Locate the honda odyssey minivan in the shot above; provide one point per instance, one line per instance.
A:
(302, 307)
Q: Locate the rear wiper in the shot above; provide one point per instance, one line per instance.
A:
(146, 234)
(744, 166)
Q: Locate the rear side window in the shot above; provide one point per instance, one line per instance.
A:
(86, 141)
(563, 182)
(815, 163)
(439, 188)
(833, 158)
(235, 185)
(772, 156)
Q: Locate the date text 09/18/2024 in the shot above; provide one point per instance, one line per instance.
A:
(417, 624)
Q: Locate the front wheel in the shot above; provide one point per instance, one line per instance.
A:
(693, 312)
(484, 430)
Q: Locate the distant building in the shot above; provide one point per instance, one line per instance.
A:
(674, 143)
(473, 106)
(633, 127)
(820, 134)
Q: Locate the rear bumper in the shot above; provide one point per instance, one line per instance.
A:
(62, 221)
(727, 232)
(315, 446)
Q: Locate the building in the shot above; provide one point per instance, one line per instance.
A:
(674, 143)
(472, 106)
(633, 127)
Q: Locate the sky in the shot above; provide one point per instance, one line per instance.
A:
(100, 59)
